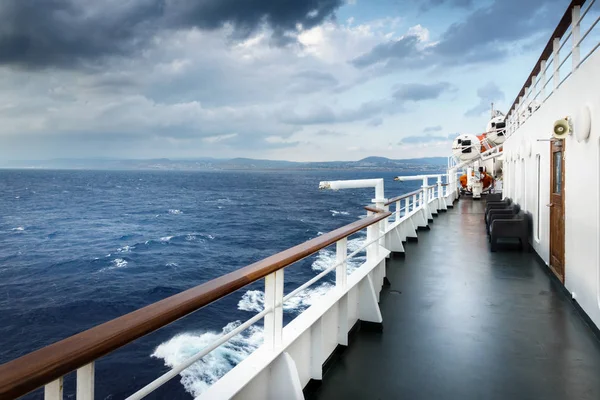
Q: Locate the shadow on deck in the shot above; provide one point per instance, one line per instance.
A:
(461, 322)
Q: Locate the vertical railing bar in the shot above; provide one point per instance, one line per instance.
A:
(54, 390)
(575, 23)
(543, 79)
(556, 62)
(341, 273)
(85, 382)
(274, 299)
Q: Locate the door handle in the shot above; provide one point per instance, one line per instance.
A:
(550, 205)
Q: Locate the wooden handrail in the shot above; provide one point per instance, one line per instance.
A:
(560, 30)
(31, 371)
(395, 199)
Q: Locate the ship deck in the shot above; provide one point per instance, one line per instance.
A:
(460, 322)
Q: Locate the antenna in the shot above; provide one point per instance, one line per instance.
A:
(493, 114)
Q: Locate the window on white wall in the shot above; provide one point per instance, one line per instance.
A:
(538, 211)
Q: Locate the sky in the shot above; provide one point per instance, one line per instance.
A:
(301, 80)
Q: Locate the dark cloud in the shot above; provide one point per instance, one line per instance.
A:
(402, 49)
(420, 91)
(67, 33)
(487, 94)
(430, 129)
(428, 4)
(484, 36)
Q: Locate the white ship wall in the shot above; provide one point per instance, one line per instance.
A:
(582, 182)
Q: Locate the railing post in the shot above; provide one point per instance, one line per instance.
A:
(54, 390)
(85, 382)
(398, 208)
(274, 300)
(414, 202)
(534, 85)
(424, 196)
(341, 252)
(406, 205)
(576, 35)
(543, 65)
(556, 62)
(372, 234)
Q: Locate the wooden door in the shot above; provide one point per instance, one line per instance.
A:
(557, 208)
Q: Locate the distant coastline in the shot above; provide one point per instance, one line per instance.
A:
(432, 164)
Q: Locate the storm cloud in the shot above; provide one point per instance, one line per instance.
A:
(479, 38)
(69, 33)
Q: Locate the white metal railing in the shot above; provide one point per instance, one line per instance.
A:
(540, 88)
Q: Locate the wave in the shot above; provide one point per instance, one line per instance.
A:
(193, 236)
(254, 300)
(114, 264)
(18, 229)
(327, 257)
(335, 212)
(190, 237)
(175, 211)
(125, 249)
(119, 262)
(199, 376)
(172, 265)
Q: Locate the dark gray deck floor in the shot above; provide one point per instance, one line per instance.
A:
(463, 323)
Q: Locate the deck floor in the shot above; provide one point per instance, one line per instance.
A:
(461, 322)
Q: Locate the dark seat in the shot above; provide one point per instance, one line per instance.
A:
(496, 205)
(493, 197)
(514, 226)
(507, 212)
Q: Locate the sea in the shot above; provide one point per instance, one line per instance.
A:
(78, 248)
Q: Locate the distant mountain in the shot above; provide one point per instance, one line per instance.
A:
(369, 163)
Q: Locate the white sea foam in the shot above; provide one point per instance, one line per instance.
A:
(172, 265)
(116, 263)
(254, 300)
(175, 212)
(18, 229)
(165, 239)
(125, 249)
(335, 212)
(327, 258)
(199, 376)
(119, 263)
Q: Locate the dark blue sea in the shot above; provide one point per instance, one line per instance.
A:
(78, 248)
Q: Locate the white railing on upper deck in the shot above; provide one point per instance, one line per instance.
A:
(553, 69)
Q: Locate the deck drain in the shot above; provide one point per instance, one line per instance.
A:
(396, 292)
